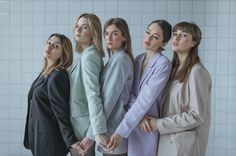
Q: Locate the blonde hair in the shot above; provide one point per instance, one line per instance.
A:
(96, 31)
(65, 60)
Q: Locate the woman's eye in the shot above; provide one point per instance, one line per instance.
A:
(147, 32)
(156, 37)
(56, 46)
(106, 34)
(174, 34)
(115, 33)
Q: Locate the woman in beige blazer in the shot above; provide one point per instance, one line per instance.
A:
(87, 115)
(185, 111)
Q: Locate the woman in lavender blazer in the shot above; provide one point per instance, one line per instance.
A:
(151, 73)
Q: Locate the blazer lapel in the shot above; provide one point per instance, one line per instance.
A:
(138, 69)
(149, 67)
(35, 84)
(74, 65)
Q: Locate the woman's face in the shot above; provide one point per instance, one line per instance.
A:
(53, 49)
(82, 32)
(153, 38)
(182, 41)
(114, 38)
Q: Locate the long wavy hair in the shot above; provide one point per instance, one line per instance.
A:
(192, 58)
(96, 31)
(65, 60)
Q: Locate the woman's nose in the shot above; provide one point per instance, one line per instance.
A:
(78, 29)
(150, 37)
(50, 46)
(177, 37)
(108, 37)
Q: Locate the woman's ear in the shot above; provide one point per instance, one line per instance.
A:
(194, 43)
(123, 39)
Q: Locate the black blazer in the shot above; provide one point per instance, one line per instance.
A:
(48, 130)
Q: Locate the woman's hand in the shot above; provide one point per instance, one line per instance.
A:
(114, 142)
(153, 121)
(145, 124)
(86, 144)
(102, 140)
(76, 146)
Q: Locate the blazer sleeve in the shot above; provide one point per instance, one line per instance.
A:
(91, 68)
(199, 87)
(59, 92)
(146, 97)
(131, 101)
(117, 77)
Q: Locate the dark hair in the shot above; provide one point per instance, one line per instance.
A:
(192, 57)
(122, 25)
(65, 60)
(166, 28)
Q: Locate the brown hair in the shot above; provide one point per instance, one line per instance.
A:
(192, 57)
(65, 60)
(96, 31)
(122, 25)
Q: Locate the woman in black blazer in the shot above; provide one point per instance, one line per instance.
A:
(48, 130)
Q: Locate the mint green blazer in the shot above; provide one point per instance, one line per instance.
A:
(85, 102)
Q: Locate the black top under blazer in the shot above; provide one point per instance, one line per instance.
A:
(48, 130)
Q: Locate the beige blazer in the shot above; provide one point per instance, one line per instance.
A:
(185, 115)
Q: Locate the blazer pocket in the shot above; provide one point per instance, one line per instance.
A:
(187, 141)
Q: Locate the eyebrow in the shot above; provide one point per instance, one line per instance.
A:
(154, 33)
(55, 42)
(113, 31)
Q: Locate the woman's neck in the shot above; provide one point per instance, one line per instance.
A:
(182, 57)
(150, 54)
(115, 51)
(50, 62)
(84, 46)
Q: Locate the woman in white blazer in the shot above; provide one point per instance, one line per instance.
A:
(185, 111)
(116, 78)
(87, 116)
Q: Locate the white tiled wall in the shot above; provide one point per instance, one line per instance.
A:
(26, 24)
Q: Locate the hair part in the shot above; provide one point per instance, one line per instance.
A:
(65, 60)
(96, 31)
(122, 25)
(192, 58)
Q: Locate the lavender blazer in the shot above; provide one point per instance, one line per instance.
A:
(145, 98)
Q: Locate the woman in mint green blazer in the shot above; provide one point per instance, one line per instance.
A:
(116, 78)
(87, 115)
